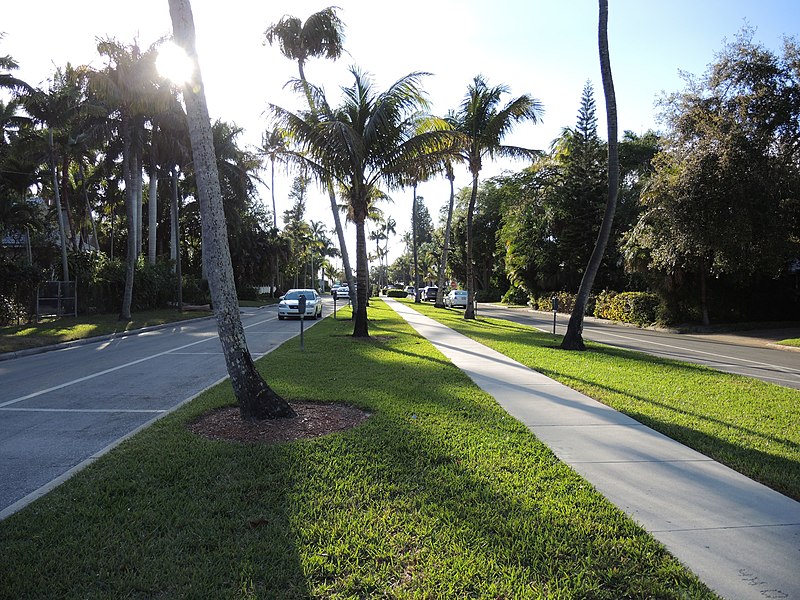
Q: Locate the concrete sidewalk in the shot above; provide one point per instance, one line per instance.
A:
(740, 537)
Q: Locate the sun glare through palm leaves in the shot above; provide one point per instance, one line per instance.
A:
(174, 64)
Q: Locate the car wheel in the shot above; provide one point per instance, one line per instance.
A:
(280, 317)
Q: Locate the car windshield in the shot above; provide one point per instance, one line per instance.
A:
(295, 294)
(459, 293)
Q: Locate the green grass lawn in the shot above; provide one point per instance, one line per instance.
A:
(440, 494)
(791, 342)
(67, 329)
(747, 424)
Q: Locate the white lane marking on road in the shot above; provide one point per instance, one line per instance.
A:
(123, 366)
(87, 410)
(101, 373)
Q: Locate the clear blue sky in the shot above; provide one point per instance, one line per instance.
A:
(547, 48)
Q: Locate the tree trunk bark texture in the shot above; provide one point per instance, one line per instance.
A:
(130, 215)
(446, 247)
(256, 399)
(348, 270)
(573, 338)
(414, 245)
(361, 327)
(469, 312)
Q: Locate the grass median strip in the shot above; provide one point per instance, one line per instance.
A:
(440, 494)
(744, 423)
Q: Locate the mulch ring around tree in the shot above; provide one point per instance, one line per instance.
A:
(313, 420)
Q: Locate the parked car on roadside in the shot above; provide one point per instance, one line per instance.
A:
(410, 290)
(289, 304)
(429, 293)
(456, 298)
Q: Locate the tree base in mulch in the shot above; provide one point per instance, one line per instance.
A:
(312, 420)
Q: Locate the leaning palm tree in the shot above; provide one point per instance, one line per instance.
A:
(573, 338)
(256, 399)
(320, 36)
(370, 141)
(484, 124)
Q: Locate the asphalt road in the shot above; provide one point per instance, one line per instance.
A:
(746, 354)
(62, 409)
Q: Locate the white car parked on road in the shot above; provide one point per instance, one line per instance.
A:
(288, 306)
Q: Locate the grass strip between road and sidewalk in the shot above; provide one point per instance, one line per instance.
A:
(744, 423)
(440, 494)
(795, 342)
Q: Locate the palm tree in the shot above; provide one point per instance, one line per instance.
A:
(484, 125)
(56, 109)
(274, 146)
(256, 399)
(573, 338)
(7, 80)
(448, 168)
(372, 139)
(317, 238)
(322, 35)
(126, 85)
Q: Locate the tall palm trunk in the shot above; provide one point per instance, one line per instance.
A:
(152, 201)
(73, 234)
(139, 181)
(96, 243)
(61, 229)
(361, 328)
(348, 270)
(573, 339)
(128, 165)
(274, 228)
(256, 399)
(414, 250)
(446, 248)
(175, 239)
(469, 312)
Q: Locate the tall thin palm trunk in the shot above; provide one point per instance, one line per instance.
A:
(446, 248)
(573, 338)
(62, 234)
(360, 328)
(256, 399)
(415, 251)
(96, 243)
(128, 163)
(175, 237)
(469, 312)
(348, 270)
(152, 201)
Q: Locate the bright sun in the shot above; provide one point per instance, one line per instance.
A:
(174, 64)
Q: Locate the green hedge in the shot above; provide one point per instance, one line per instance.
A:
(392, 293)
(566, 302)
(639, 308)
